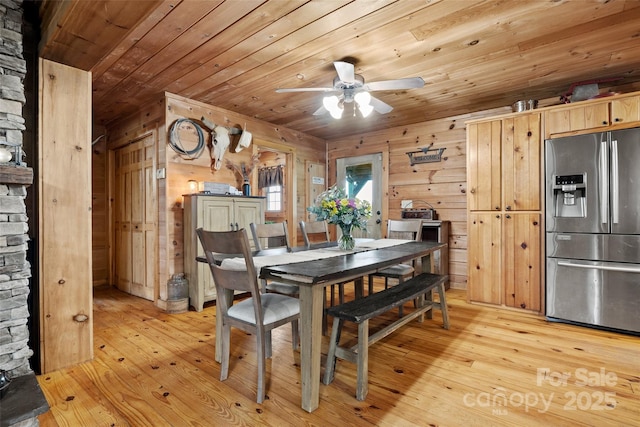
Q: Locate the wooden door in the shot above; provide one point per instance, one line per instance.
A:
(484, 257)
(361, 177)
(483, 165)
(135, 219)
(521, 162)
(522, 260)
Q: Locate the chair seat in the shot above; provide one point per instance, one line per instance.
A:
(283, 288)
(275, 307)
(396, 270)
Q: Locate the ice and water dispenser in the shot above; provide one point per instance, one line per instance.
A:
(570, 196)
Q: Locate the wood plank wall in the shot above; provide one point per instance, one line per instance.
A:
(158, 117)
(442, 184)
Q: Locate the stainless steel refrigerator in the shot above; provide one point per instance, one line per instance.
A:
(593, 229)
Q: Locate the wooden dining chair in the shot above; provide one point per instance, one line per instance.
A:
(318, 232)
(314, 232)
(410, 229)
(258, 314)
(263, 234)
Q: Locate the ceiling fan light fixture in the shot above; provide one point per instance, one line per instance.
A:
(363, 98)
(332, 104)
(365, 110)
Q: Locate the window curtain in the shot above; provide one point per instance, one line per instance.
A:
(269, 177)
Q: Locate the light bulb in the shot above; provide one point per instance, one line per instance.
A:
(332, 104)
(365, 110)
(336, 112)
(363, 98)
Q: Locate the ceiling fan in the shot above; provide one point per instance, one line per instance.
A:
(349, 87)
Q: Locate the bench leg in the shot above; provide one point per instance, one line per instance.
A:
(331, 355)
(363, 360)
(443, 305)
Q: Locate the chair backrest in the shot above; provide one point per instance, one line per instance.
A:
(314, 232)
(410, 229)
(277, 231)
(228, 243)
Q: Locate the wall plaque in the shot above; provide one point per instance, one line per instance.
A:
(425, 155)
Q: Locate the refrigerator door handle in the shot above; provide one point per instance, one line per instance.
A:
(615, 190)
(604, 182)
(625, 269)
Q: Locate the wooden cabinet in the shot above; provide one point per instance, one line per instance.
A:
(577, 117)
(593, 116)
(521, 260)
(626, 110)
(215, 213)
(504, 201)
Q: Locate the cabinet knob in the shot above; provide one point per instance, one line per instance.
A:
(497, 208)
(507, 216)
(237, 228)
(231, 226)
(617, 119)
(472, 191)
(604, 122)
(508, 208)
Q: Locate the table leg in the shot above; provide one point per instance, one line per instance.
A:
(310, 344)
(428, 298)
(228, 294)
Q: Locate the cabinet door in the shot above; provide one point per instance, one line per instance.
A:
(214, 214)
(625, 110)
(247, 211)
(583, 117)
(484, 241)
(483, 165)
(521, 154)
(521, 253)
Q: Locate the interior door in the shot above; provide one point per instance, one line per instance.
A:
(135, 220)
(361, 177)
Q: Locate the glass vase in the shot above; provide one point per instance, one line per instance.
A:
(346, 242)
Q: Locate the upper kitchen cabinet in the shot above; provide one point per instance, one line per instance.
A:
(503, 164)
(625, 110)
(483, 165)
(592, 116)
(571, 118)
(521, 162)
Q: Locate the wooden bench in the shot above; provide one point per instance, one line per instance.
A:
(363, 309)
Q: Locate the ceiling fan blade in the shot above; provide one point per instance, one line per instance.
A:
(320, 111)
(408, 83)
(346, 71)
(306, 89)
(380, 106)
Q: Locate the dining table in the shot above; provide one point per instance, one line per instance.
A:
(313, 273)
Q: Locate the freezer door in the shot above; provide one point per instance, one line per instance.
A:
(585, 210)
(594, 293)
(625, 181)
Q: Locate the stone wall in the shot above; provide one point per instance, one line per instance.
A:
(15, 270)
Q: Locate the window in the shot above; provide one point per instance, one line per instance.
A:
(274, 198)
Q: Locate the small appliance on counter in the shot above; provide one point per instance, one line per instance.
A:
(409, 212)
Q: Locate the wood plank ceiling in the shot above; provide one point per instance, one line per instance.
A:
(472, 54)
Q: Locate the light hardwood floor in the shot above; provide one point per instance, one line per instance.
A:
(157, 369)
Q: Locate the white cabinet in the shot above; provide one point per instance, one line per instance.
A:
(214, 213)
